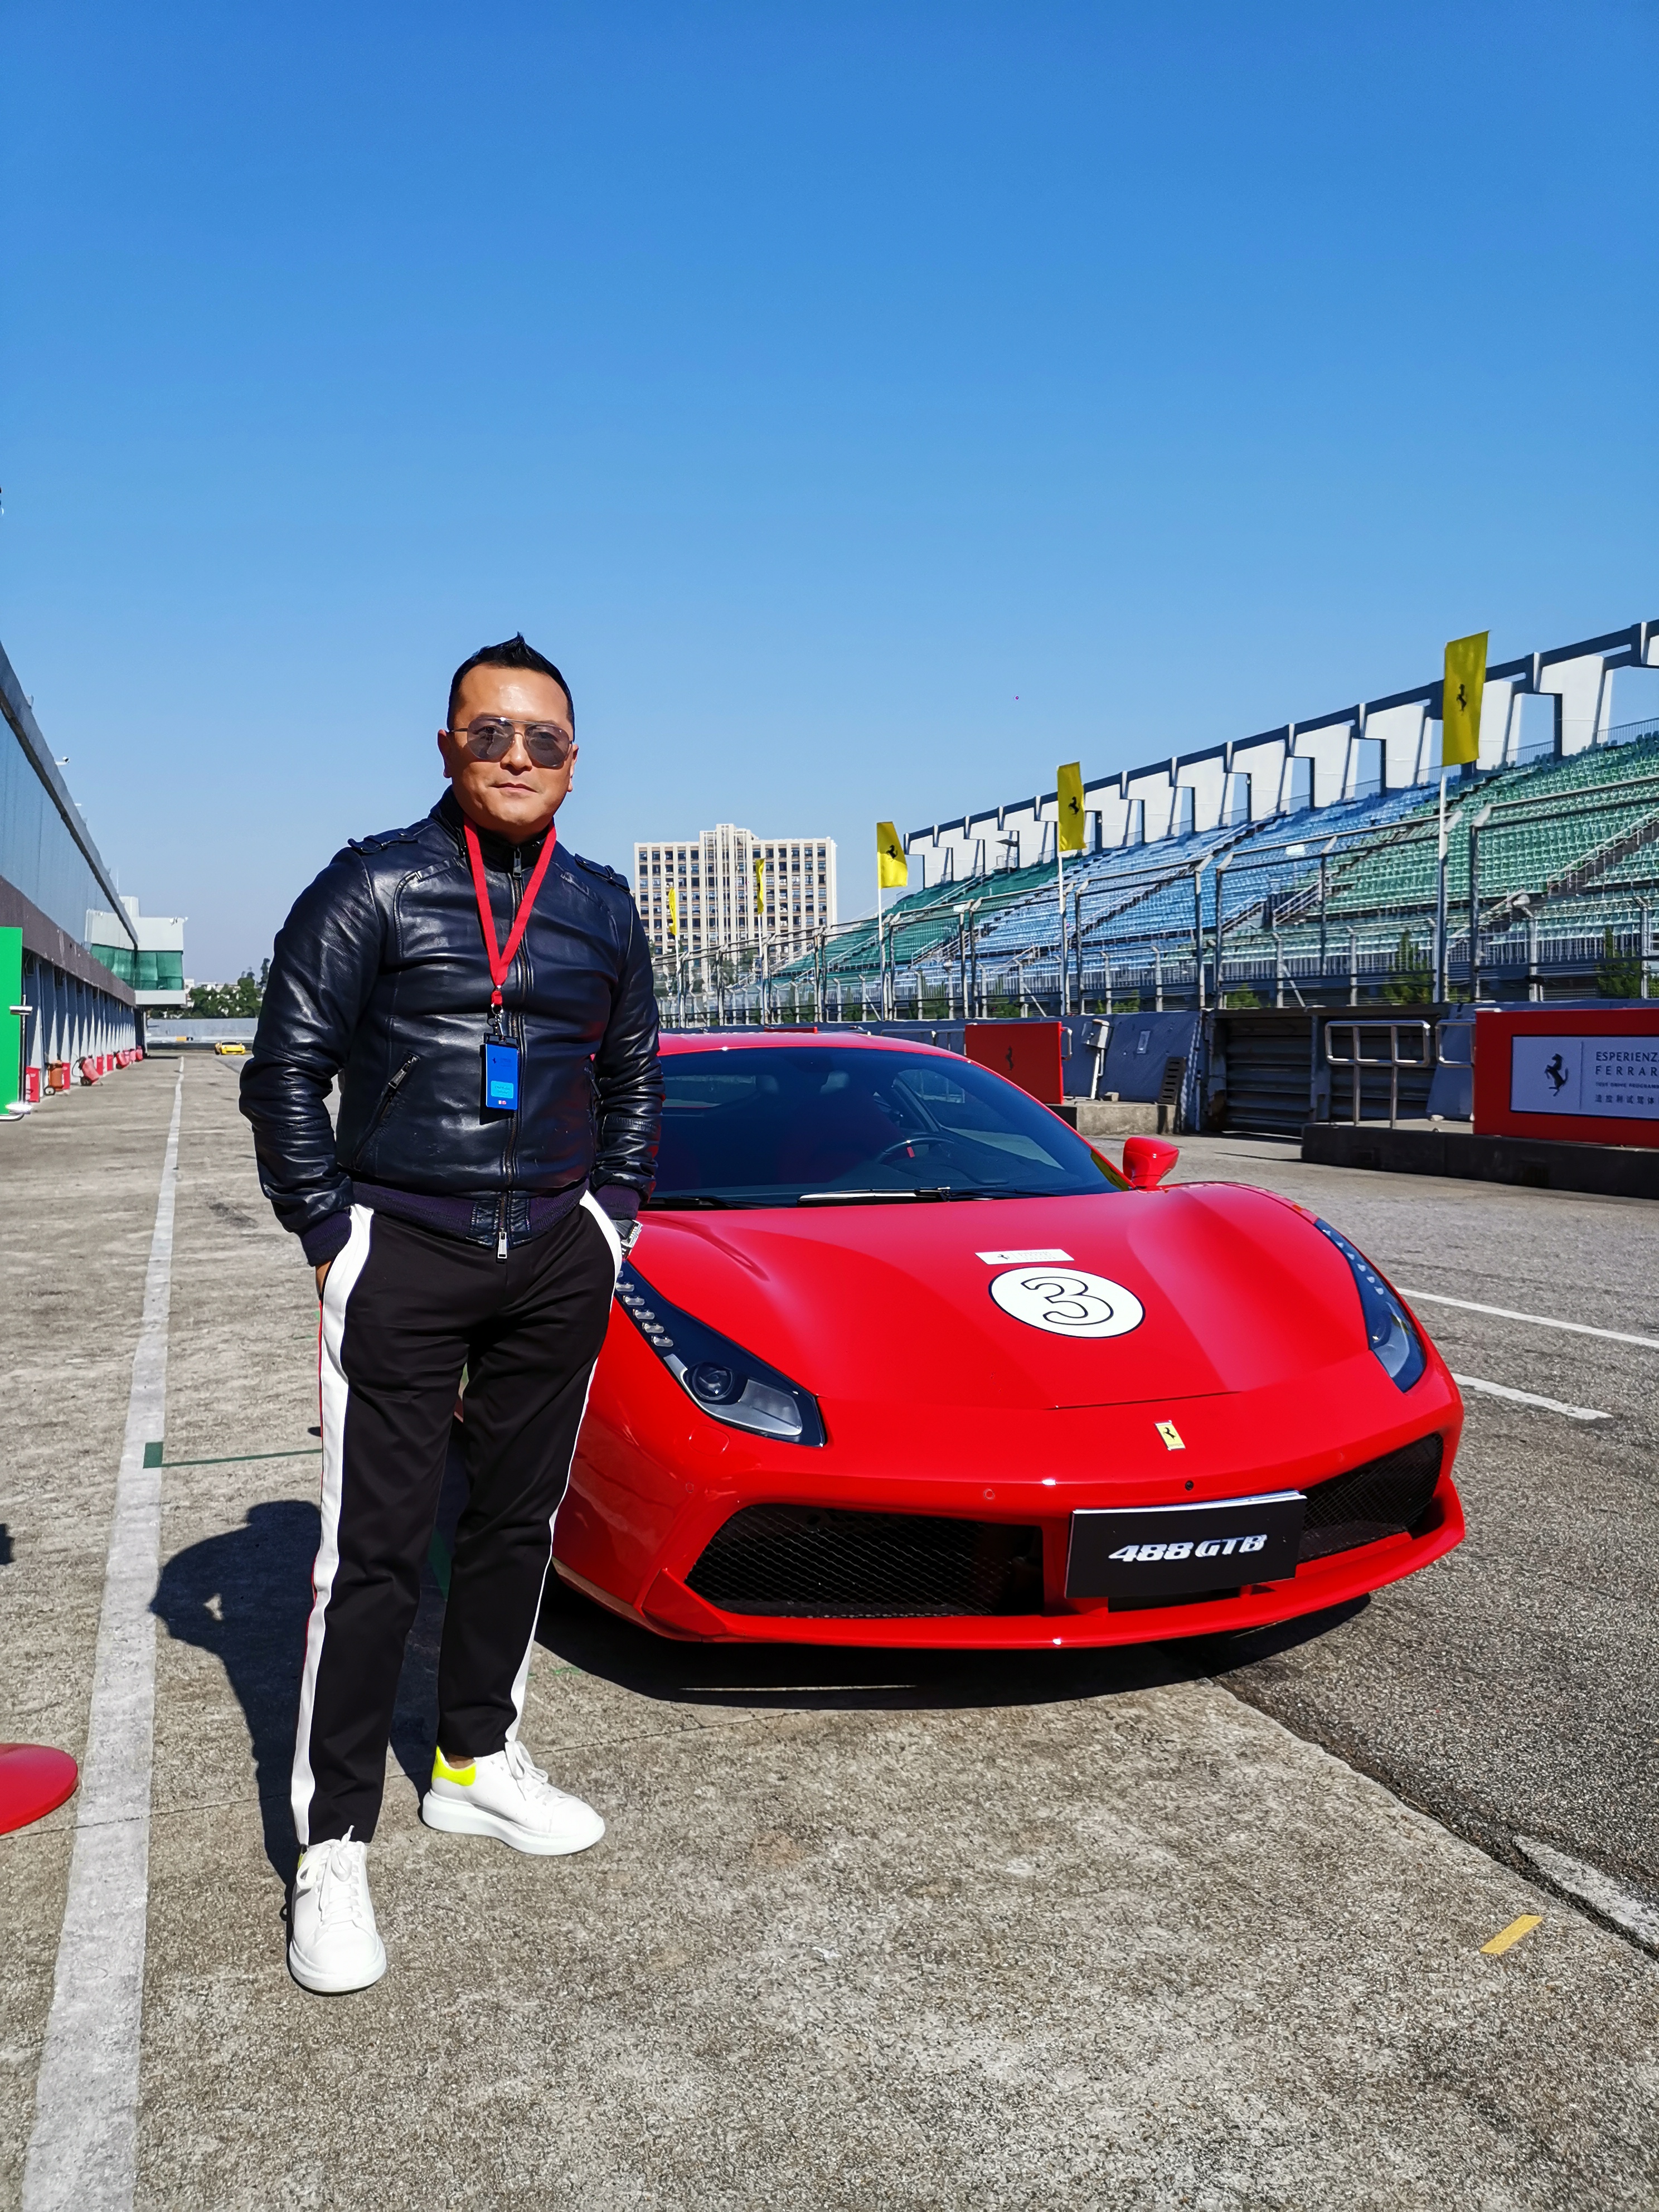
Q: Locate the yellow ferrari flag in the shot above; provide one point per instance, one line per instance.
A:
(760, 883)
(673, 912)
(892, 869)
(1073, 822)
(1466, 679)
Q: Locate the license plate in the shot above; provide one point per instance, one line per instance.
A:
(1165, 1551)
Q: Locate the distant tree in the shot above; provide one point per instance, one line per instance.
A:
(1243, 997)
(1618, 975)
(1413, 983)
(230, 1002)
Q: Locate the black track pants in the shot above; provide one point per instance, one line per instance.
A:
(403, 1310)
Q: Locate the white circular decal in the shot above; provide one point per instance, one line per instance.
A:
(1065, 1301)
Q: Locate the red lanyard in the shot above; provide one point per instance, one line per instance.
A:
(499, 962)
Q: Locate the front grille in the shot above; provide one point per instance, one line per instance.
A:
(1382, 1499)
(814, 1563)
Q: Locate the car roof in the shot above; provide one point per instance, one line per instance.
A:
(674, 1040)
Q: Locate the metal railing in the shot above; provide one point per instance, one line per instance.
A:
(1356, 1061)
(1465, 1027)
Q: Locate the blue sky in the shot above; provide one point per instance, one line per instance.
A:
(870, 407)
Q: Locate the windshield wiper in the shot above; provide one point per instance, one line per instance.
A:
(1016, 1190)
(945, 1194)
(687, 1201)
(871, 1197)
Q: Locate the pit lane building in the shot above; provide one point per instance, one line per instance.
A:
(78, 962)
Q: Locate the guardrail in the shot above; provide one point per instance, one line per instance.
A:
(1356, 1061)
(1442, 1057)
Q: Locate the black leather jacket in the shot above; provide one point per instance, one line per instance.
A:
(380, 976)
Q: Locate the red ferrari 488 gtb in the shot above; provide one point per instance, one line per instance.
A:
(899, 1359)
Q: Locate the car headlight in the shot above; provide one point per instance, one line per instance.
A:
(1388, 1329)
(729, 1383)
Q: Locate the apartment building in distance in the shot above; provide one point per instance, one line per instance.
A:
(734, 891)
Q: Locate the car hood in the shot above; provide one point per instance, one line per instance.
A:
(1237, 1290)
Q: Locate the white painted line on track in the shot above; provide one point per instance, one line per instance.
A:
(1528, 1397)
(1538, 1321)
(1609, 1898)
(83, 2151)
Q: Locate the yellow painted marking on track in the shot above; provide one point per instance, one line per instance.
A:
(1507, 1937)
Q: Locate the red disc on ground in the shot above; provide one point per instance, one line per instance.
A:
(33, 1782)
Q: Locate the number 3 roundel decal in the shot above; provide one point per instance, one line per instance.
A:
(1065, 1301)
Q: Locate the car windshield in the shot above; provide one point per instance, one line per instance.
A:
(804, 1126)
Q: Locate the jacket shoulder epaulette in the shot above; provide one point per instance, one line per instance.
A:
(599, 868)
(382, 838)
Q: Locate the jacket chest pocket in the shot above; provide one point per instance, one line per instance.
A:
(388, 1098)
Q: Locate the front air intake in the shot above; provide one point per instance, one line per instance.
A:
(815, 1563)
(1383, 1497)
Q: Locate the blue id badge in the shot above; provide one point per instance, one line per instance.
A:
(501, 1078)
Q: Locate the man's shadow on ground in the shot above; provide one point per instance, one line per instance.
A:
(246, 1596)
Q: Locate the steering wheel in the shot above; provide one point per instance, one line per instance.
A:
(908, 1145)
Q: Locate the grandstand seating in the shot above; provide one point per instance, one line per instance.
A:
(1570, 832)
(1546, 820)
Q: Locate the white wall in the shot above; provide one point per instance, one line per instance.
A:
(1153, 788)
(1207, 782)
(1297, 791)
(1399, 731)
(1630, 695)
(1579, 685)
(1328, 748)
(1532, 728)
(1497, 706)
(1264, 763)
(1112, 810)
(1363, 777)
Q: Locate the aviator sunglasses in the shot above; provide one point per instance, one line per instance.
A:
(489, 737)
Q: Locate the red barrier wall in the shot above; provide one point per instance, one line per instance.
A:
(1027, 1053)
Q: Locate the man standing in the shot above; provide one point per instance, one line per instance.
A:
(484, 997)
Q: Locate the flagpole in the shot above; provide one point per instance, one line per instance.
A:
(1441, 959)
(881, 942)
(1059, 886)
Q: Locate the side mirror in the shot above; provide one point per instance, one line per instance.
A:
(1147, 1160)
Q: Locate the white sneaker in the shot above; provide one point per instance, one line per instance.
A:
(509, 1797)
(333, 1944)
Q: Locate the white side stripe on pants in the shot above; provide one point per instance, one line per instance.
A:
(522, 1680)
(334, 1394)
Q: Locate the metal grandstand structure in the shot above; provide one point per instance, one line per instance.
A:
(1547, 887)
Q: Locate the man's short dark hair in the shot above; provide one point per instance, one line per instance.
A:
(511, 652)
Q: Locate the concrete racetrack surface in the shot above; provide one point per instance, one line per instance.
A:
(1115, 1931)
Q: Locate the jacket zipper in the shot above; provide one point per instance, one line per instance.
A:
(515, 884)
(388, 1098)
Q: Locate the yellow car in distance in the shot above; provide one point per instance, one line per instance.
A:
(231, 1051)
